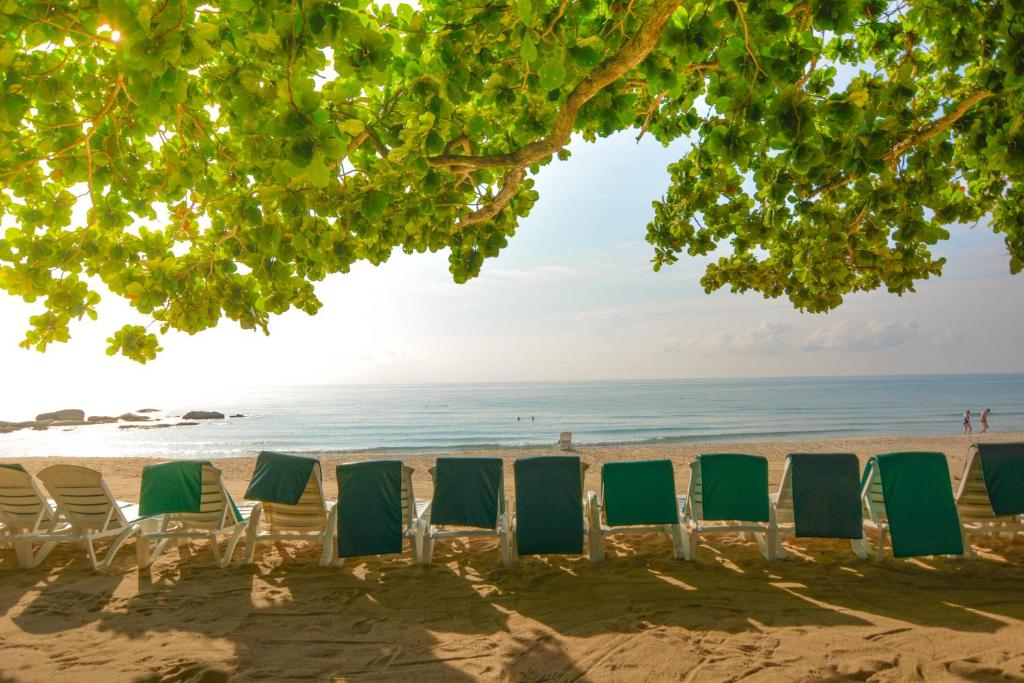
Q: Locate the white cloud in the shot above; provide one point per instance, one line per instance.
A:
(850, 336)
(775, 337)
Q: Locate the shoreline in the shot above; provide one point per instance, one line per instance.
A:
(695, 444)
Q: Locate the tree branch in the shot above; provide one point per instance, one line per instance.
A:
(629, 56)
(650, 112)
(939, 126)
(927, 134)
(509, 183)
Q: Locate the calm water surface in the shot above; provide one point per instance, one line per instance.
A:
(433, 418)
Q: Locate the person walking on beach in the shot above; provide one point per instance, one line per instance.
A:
(967, 422)
(984, 420)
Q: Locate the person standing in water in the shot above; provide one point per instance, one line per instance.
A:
(967, 422)
(984, 420)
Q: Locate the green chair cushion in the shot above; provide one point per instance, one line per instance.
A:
(919, 504)
(734, 487)
(171, 487)
(549, 505)
(370, 508)
(467, 492)
(280, 477)
(176, 486)
(641, 492)
(1002, 465)
(826, 495)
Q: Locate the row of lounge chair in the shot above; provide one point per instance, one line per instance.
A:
(906, 497)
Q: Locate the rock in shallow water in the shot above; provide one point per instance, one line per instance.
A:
(69, 414)
(202, 415)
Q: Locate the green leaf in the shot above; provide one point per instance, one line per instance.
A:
(524, 8)
(552, 75)
(528, 51)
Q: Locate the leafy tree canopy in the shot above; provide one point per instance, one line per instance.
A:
(265, 144)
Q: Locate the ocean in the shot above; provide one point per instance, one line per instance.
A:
(452, 417)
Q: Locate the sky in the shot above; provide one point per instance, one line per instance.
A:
(573, 297)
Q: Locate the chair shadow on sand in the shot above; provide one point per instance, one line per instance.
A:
(467, 617)
(72, 592)
(376, 619)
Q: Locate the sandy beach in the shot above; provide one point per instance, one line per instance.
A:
(821, 614)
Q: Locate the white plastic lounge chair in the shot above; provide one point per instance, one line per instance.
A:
(735, 501)
(86, 508)
(565, 441)
(27, 516)
(636, 498)
(469, 502)
(216, 517)
(785, 518)
(975, 505)
(373, 524)
(305, 520)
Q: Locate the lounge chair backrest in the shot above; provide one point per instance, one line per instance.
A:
(376, 506)
(729, 486)
(993, 481)
(83, 497)
(408, 498)
(565, 441)
(215, 507)
(310, 512)
(187, 493)
(468, 492)
(639, 493)
(22, 504)
(972, 494)
(290, 488)
(549, 504)
(918, 501)
(820, 494)
(874, 496)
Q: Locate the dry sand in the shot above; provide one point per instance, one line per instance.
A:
(822, 614)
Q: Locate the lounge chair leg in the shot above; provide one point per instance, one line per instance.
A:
(249, 554)
(691, 538)
(595, 537)
(680, 542)
(767, 545)
(503, 542)
(426, 548)
(92, 553)
(229, 549)
(861, 547)
(331, 542)
(28, 558)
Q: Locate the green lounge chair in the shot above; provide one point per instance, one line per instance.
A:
(819, 497)
(181, 501)
(990, 498)
(549, 506)
(469, 493)
(376, 511)
(909, 497)
(290, 494)
(636, 498)
(728, 492)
